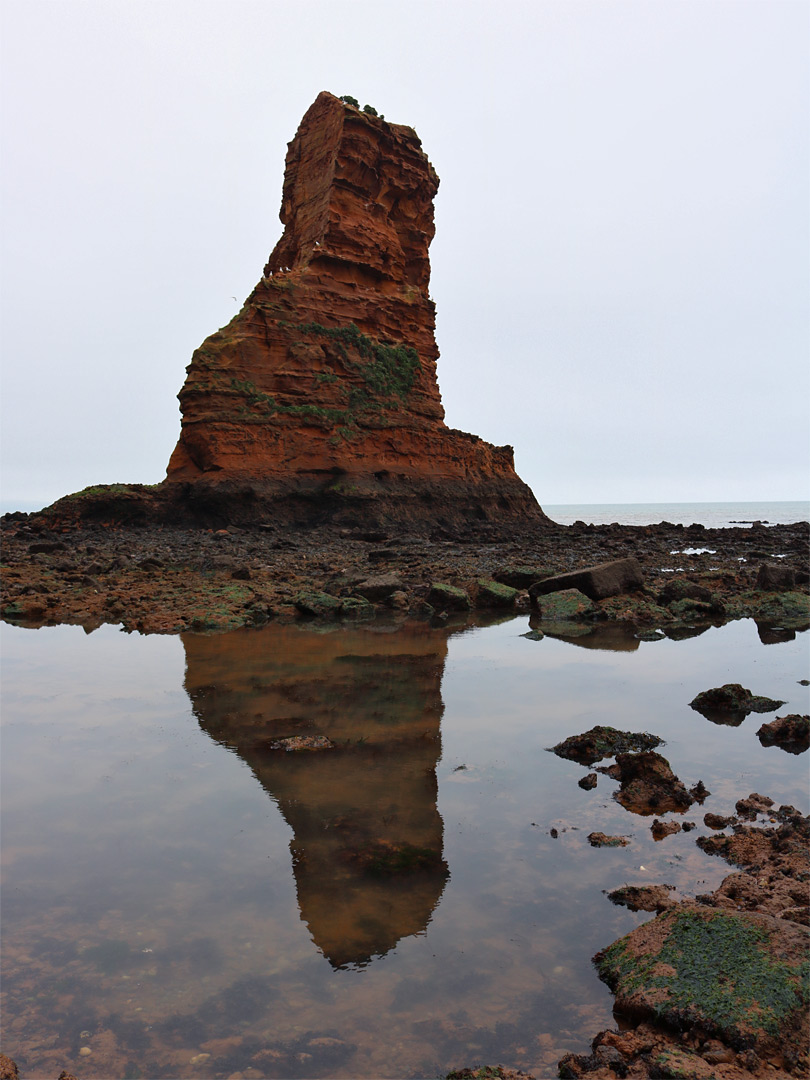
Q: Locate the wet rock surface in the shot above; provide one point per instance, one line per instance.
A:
(595, 582)
(731, 703)
(790, 733)
(160, 579)
(643, 897)
(649, 786)
(600, 839)
(601, 742)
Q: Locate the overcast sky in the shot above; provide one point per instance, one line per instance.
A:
(621, 259)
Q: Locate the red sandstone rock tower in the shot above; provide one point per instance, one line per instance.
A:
(318, 402)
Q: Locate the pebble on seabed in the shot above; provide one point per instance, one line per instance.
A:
(85, 1051)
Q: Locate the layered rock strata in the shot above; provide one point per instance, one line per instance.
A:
(319, 401)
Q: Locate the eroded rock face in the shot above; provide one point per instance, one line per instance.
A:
(320, 397)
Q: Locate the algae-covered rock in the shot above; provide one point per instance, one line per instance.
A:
(356, 608)
(687, 608)
(447, 597)
(317, 604)
(737, 976)
(569, 604)
(602, 742)
(492, 594)
(789, 610)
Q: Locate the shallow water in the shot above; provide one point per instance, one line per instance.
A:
(183, 900)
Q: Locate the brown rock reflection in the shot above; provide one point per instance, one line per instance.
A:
(367, 851)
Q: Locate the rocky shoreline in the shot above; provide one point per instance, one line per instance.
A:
(163, 579)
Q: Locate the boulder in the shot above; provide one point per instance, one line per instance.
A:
(492, 594)
(683, 589)
(378, 588)
(448, 598)
(317, 604)
(772, 577)
(596, 582)
(570, 604)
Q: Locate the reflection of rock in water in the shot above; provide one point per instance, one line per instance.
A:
(367, 850)
(614, 637)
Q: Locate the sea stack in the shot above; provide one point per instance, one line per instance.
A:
(319, 402)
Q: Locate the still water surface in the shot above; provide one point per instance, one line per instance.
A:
(185, 901)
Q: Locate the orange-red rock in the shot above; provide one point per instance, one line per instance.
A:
(319, 400)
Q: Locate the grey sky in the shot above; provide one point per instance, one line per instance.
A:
(621, 258)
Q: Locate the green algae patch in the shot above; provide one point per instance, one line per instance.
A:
(221, 608)
(743, 977)
(790, 610)
(356, 608)
(317, 604)
(602, 742)
(449, 597)
(492, 594)
(635, 608)
(568, 604)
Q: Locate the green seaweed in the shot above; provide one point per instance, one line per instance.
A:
(388, 370)
(723, 974)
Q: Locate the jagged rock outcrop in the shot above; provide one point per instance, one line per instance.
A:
(319, 401)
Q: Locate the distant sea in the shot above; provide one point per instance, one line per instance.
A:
(719, 515)
(712, 515)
